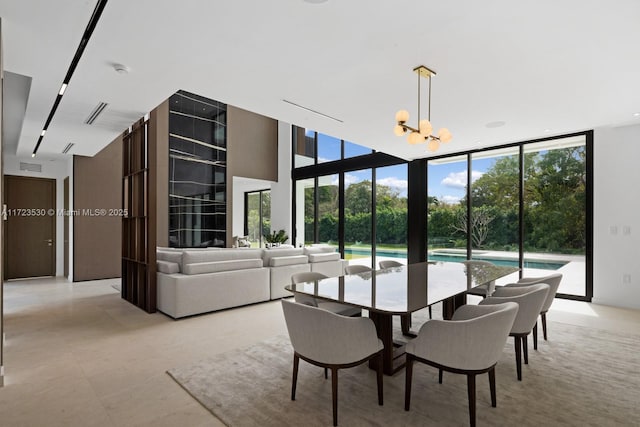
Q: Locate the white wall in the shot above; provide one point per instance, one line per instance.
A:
(58, 170)
(281, 190)
(616, 225)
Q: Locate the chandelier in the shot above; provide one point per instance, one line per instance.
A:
(423, 133)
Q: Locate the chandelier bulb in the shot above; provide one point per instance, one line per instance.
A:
(402, 116)
(399, 130)
(415, 138)
(433, 145)
(444, 135)
(425, 127)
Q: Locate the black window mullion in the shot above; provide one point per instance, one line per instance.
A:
(316, 201)
(373, 218)
(521, 212)
(341, 215)
(469, 207)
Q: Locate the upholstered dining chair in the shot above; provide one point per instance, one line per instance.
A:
(356, 269)
(389, 263)
(331, 341)
(405, 320)
(553, 280)
(530, 300)
(470, 343)
(334, 307)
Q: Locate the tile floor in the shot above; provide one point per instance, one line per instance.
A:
(79, 355)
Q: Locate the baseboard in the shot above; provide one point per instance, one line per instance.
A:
(614, 303)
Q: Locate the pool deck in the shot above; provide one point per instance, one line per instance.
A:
(574, 271)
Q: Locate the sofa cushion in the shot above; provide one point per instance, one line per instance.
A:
(217, 266)
(194, 257)
(324, 257)
(267, 254)
(167, 267)
(288, 260)
(308, 250)
(169, 255)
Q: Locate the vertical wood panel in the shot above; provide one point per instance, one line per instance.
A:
(139, 225)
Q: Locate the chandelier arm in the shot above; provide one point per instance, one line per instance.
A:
(407, 127)
(418, 96)
(429, 114)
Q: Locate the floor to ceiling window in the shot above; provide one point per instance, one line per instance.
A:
(391, 212)
(555, 213)
(257, 216)
(358, 214)
(525, 205)
(446, 208)
(334, 199)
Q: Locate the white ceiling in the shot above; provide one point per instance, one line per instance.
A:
(543, 67)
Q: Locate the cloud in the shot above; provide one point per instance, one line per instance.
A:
(348, 180)
(393, 182)
(450, 200)
(459, 179)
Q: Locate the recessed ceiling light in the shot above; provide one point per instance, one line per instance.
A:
(547, 130)
(496, 124)
(121, 69)
(316, 1)
(636, 114)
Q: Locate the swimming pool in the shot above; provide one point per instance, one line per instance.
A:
(539, 264)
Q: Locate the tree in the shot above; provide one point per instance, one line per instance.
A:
(480, 220)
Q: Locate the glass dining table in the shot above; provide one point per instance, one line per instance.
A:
(401, 291)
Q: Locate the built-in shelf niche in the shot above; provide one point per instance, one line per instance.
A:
(197, 171)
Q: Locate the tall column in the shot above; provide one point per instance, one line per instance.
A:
(281, 196)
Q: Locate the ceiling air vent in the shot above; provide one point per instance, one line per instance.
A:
(31, 167)
(68, 147)
(96, 112)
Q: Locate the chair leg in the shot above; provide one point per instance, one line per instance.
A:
(471, 391)
(440, 376)
(492, 386)
(405, 323)
(518, 348)
(535, 336)
(380, 382)
(525, 349)
(430, 314)
(294, 380)
(544, 325)
(334, 393)
(326, 374)
(407, 384)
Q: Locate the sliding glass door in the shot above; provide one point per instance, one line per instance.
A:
(555, 213)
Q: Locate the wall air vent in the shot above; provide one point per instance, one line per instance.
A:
(31, 167)
(68, 147)
(96, 112)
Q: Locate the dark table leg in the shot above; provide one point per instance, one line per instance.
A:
(450, 305)
(391, 352)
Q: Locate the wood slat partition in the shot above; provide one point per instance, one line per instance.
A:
(139, 223)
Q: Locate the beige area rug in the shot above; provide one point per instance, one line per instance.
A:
(581, 377)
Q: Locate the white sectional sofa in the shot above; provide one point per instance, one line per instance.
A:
(194, 281)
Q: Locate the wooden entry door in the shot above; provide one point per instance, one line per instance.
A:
(30, 228)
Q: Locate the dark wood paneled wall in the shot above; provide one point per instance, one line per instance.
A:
(97, 224)
(139, 186)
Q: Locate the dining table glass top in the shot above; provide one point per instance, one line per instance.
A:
(401, 290)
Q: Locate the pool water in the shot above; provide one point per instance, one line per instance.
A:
(539, 264)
